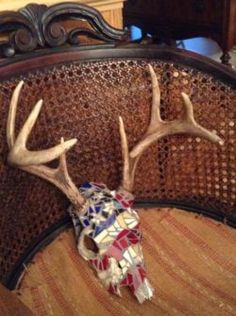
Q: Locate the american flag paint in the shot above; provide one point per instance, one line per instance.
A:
(108, 235)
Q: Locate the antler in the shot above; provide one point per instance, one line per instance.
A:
(158, 129)
(32, 161)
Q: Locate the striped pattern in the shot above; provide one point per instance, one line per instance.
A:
(191, 262)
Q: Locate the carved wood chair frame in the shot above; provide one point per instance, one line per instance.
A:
(37, 40)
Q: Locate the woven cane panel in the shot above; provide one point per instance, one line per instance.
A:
(84, 100)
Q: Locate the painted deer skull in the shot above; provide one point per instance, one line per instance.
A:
(106, 226)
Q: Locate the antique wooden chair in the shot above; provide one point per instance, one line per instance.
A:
(190, 258)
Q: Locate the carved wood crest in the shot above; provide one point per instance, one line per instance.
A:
(39, 26)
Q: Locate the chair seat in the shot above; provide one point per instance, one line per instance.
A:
(190, 260)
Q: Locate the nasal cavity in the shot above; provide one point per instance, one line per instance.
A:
(90, 244)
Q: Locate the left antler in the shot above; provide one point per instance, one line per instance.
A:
(158, 129)
(33, 161)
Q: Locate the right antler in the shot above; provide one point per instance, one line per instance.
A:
(158, 129)
(32, 161)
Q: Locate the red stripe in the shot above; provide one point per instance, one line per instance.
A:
(221, 230)
(175, 276)
(39, 303)
(172, 254)
(53, 286)
(202, 245)
(169, 300)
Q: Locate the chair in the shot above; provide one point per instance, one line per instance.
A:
(190, 258)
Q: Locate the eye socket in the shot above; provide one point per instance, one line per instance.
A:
(90, 244)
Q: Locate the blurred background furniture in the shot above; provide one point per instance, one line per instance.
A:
(110, 9)
(168, 20)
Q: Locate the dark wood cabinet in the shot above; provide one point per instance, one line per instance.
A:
(180, 19)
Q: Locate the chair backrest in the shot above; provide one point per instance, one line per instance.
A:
(85, 89)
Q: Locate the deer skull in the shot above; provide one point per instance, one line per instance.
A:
(106, 226)
(110, 239)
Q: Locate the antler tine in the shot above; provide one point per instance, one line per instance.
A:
(31, 161)
(12, 115)
(125, 153)
(157, 129)
(19, 155)
(192, 127)
(156, 99)
(188, 109)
